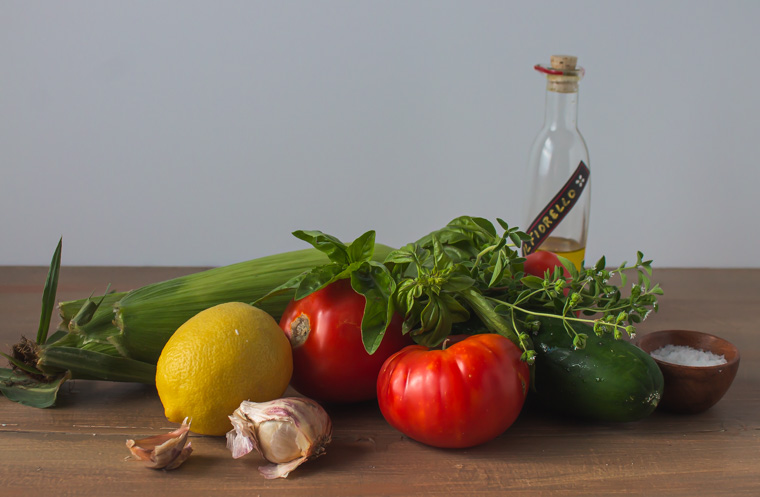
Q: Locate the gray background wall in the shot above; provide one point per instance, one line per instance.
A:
(203, 133)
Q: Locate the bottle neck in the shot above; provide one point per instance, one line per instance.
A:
(561, 110)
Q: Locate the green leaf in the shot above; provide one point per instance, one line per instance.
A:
(441, 260)
(48, 294)
(601, 264)
(403, 255)
(289, 285)
(410, 322)
(335, 250)
(456, 254)
(430, 315)
(533, 282)
(644, 280)
(457, 311)
(362, 248)
(435, 323)
(375, 283)
(27, 391)
(568, 264)
(516, 239)
(318, 278)
(498, 271)
(456, 282)
(485, 225)
(648, 267)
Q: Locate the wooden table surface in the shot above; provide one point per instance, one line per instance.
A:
(78, 446)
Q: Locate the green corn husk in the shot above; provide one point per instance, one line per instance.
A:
(94, 365)
(148, 316)
(120, 336)
(102, 317)
(145, 318)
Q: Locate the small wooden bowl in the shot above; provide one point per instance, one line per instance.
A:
(692, 389)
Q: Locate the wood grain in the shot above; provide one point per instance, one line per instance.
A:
(78, 447)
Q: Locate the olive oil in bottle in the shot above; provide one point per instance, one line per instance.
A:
(559, 193)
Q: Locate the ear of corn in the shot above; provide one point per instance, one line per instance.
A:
(125, 335)
(147, 317)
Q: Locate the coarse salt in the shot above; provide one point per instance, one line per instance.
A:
(687, 356)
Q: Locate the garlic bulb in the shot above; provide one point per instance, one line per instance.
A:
(286, 432)
(166, 451)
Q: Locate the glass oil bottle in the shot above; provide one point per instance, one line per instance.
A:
(559, 192)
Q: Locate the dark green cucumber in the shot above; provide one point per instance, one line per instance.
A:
(608, 380)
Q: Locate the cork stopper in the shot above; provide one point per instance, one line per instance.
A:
(564, 62)
(563, 74)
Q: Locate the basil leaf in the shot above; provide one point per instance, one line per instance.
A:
(485, 225)
(362, 248)
(456, 311)
(457, 282)
(410, 322)
(318, 278)
(436, 323)
(479, 225)
(403, 255)
(335, 250)
(375, 283)
(430, 315)
(291, 284)
(441, 260)
(458, 254)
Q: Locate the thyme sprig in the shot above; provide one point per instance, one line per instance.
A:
(467, 266)
(590, 294)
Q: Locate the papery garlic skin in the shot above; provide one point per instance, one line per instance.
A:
(286, 432)
(167, 451)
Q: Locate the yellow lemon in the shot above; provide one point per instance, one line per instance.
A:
(220, 357)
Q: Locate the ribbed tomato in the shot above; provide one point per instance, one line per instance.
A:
(330, 362)
(462, 396)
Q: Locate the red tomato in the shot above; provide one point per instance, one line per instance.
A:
(539, 261)
(459, 397)
(329, 360)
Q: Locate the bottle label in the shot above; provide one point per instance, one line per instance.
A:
(556, 210)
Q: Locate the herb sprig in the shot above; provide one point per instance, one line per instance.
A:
(467, 271)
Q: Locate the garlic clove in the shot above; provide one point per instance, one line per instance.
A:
(286, 432)
(287, 442)
(166, 451)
